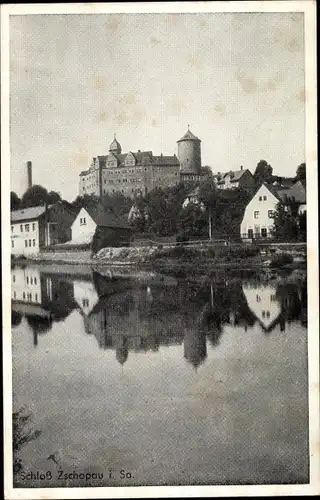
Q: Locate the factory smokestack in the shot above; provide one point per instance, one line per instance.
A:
(29, 170)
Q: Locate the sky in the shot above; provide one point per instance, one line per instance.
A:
(76, 80)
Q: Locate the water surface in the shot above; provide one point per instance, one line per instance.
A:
(154, 380)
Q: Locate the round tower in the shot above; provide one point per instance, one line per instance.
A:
(189, 153)
(115, 146)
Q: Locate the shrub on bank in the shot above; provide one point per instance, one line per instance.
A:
(281, 259)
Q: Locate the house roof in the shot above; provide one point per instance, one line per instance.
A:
(189, 136)
(165, 160)
(105, 219)
(235, 175)
(27, 213)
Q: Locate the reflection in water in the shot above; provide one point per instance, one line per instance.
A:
(116, 362)
(132, 314)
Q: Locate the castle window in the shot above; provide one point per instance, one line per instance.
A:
(27, 280)
(25, 243)
(256, 214)
(264, 198)
(24, 295)
(33, 226)
(29, 243)
(35, 281)
(36, 297)
(270, 214)
(12, 229)
(26, 227)
(260, 198)
(21, 228)
(31, 281)
(12, 243)
(14, 295)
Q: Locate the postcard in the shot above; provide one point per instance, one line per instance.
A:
(160, 249)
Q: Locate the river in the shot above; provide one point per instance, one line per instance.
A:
(146, 379)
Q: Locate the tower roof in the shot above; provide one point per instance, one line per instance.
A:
(189, 136)
(115, 145)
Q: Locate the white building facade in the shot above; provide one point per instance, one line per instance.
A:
(258, 219)
(26, 231)
(83, 228)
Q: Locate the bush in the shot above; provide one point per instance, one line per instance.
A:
(182, 237)
(281, 259)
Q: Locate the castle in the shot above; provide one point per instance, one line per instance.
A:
(137, 173)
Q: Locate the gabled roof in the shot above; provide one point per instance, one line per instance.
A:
(27, 213)
(105, 219)
(235, 175)
(189, 136)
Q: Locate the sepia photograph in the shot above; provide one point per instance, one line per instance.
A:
(160, 251)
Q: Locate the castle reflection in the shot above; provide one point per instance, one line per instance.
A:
(130, 314)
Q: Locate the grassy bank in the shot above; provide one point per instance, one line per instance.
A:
(189, 259)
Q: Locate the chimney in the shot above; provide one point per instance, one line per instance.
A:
(29, 173)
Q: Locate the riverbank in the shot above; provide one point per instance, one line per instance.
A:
(184, 258)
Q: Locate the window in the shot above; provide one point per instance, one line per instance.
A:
(263, 314)
(256, 214)
(13, 278)
(12, 229)
(33, 226)
(25, 243)
(35, 281)
(21, 227)
(34, 242)
(260, 198)
(268, 314)
(263, 232)
(36, 297)
(27, 227)
(270, 214)
(12, 243)
(258, 298)
(27, 280)
(273, 298)
(29, 243)
(250, 233)
(80, 221)
(264, 198)
(85, 302)
(24, 295)
(14, 295)
(31, 281)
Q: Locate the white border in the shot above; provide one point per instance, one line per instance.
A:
(309, 9)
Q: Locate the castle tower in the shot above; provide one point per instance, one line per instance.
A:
(189, 153)
(115, 146)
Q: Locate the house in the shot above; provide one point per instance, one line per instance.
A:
(34, 228)
(193, 198)
(85, 295)
(242, 178)
(258, 217)
(264, 303)
(94, 226)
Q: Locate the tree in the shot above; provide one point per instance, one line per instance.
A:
(301, 172)
(193, 222)
(34, 196)
(285, 224)
(53, 197)
(263, 172)
(15, 201)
